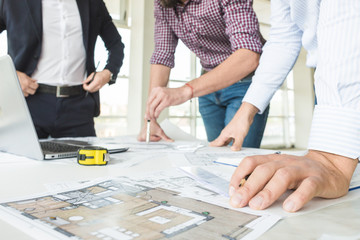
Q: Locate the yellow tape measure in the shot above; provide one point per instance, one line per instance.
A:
(93, 156)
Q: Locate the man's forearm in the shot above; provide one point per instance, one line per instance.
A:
(237, 66)
(159, 76)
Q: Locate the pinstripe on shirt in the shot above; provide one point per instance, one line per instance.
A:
(336, 121)
(332, 41)
(293, 23)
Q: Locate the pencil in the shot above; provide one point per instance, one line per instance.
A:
(243, 181)
(148, 131)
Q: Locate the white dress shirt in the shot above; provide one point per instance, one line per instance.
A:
(63, 57)
(293, 23)
(336, 120)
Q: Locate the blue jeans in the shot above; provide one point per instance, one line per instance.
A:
(218, 108)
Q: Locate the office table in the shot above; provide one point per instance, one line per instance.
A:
(28, 178)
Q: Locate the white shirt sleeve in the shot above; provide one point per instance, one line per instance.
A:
(278, 57)
(336, 121)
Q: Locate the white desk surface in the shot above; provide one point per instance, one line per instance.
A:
(28, 178)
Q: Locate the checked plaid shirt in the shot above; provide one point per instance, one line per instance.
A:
(212, 29)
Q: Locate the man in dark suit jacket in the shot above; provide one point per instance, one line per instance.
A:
(61, 110)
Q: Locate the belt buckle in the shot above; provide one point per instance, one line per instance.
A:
(58, 92)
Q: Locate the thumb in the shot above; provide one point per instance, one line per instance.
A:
(88, 79)
(165, 137)
(220, 141)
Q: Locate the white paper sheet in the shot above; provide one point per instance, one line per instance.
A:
(176, 133)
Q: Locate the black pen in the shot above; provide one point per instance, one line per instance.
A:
(92, 79)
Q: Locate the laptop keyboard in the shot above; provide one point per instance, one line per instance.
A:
(54, 147)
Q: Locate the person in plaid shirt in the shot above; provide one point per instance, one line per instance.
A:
(225, 36)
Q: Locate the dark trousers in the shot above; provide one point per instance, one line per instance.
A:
(62, 117)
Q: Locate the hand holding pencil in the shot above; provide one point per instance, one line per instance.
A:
(152, 132)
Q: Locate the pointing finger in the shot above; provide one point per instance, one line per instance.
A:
(237, 144)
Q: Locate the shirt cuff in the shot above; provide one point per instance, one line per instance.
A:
(336, 130)
(253, 44)
(163, 59)
(259, 96)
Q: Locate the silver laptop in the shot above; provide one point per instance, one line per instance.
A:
(17, 131)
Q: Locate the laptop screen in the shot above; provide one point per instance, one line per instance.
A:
(17, 132)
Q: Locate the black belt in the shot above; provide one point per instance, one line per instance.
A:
(61, 91)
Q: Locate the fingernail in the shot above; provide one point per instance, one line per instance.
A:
(231, 191)
(256, 202)
(236, 200)
(289, 206)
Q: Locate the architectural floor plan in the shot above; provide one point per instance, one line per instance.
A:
(125, 209)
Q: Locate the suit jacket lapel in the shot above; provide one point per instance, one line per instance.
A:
(35, 9)
(84, 9)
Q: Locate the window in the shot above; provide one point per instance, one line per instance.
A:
(119, 11)
(114, 99)
(186, 116)
(280, 127)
